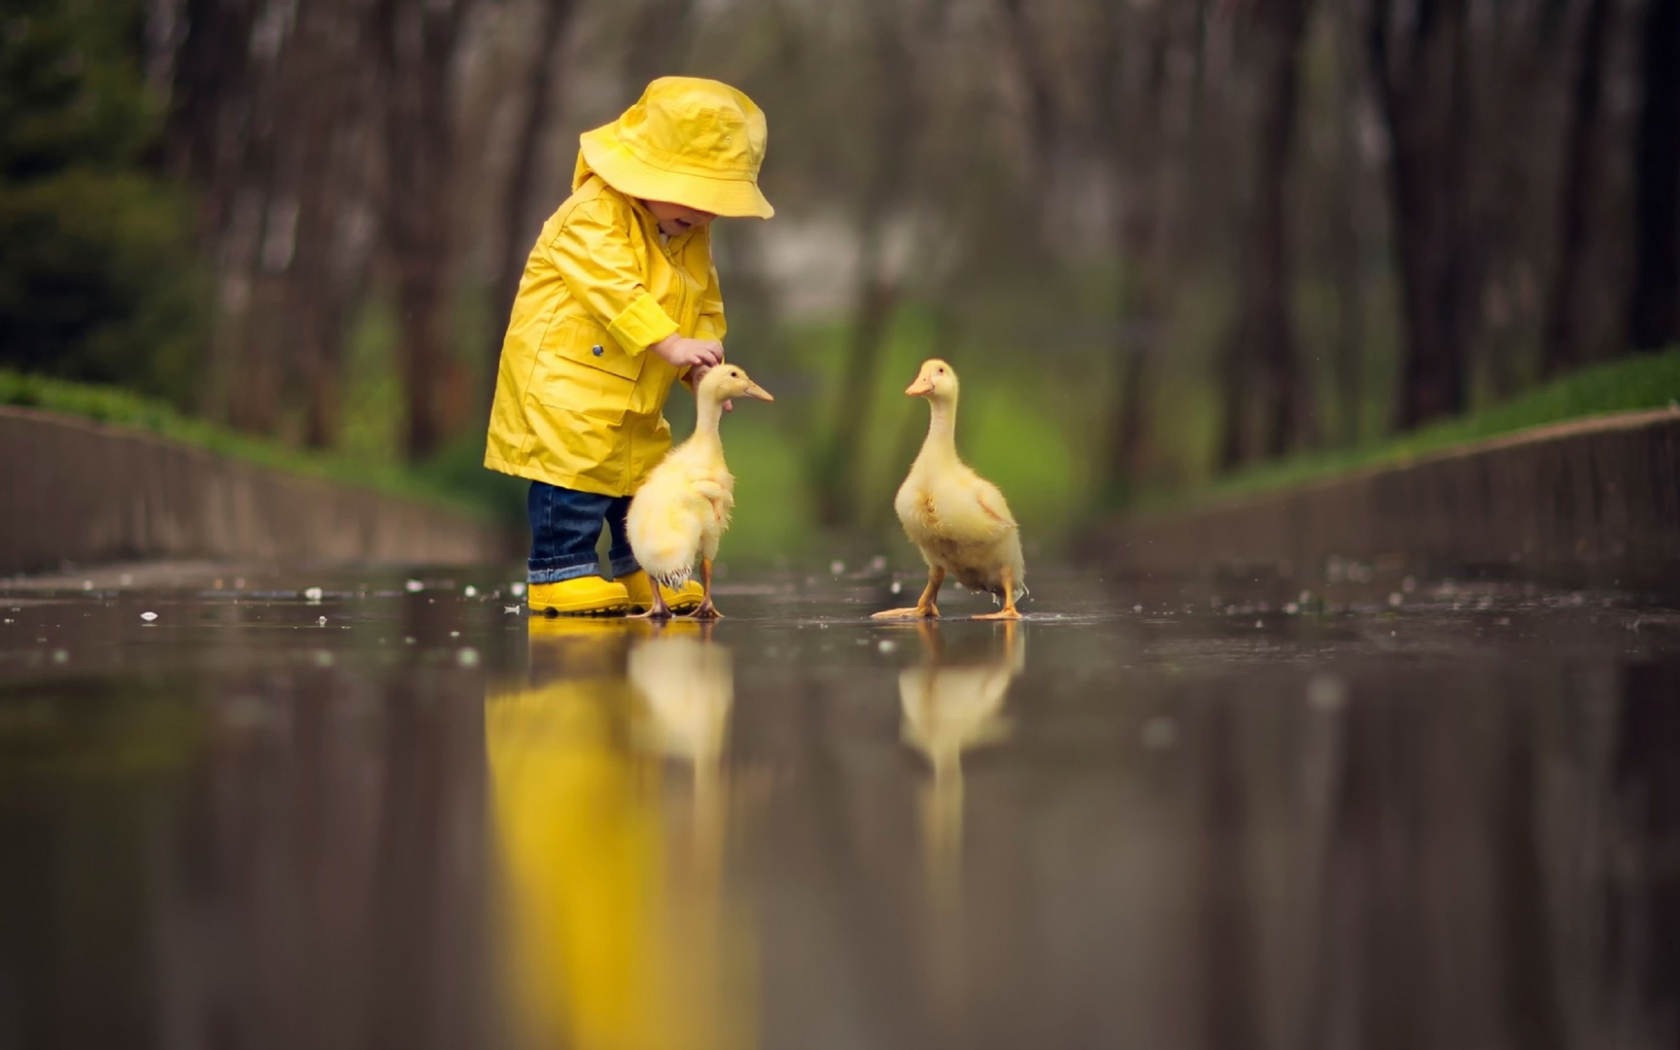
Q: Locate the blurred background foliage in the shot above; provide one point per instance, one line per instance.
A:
(1172, 247)
(99, 279)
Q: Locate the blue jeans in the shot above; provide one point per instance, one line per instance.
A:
(565, 526)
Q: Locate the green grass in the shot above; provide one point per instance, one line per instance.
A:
(1630, 384)
(438, 483)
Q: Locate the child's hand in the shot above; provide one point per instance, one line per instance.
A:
(697, 373)
(685, 353)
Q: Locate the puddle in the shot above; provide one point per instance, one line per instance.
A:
(1137, 817)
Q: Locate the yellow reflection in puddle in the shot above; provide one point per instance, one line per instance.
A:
(616, 933)
(951, 707)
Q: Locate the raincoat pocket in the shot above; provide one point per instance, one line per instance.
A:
(586, 371)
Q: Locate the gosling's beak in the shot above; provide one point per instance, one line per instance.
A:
(754, 390)
(920, 388)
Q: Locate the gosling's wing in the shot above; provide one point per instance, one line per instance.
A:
(993, 504)
(663, 528)
(715, 486)
(908, 503)
(975, 511)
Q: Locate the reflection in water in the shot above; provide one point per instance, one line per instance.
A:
(1197, 835)
(684, 688)
(951, 706)
(617, 934)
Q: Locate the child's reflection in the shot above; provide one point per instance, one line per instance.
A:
(615, 928)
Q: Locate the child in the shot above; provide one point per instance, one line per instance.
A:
(619, 299)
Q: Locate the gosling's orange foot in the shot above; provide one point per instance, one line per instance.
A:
(1001, 614)
(707, 611)
(915, 612)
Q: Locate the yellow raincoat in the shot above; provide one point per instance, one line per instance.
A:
(579, 399)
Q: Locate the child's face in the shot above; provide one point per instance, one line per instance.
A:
(676, 218)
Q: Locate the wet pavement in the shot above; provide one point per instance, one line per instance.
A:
(399, 813)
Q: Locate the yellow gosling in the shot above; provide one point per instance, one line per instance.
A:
(682, 510)
(958, 519)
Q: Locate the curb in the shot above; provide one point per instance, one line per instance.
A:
(82, 492)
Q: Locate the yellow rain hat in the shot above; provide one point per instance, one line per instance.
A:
(689, 141)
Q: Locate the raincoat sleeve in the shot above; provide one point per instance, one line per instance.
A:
(602, 272)
(711, 324)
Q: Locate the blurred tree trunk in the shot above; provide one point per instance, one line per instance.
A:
(658, 33)
(1283, 382)
(517, 233)
(1346, 251)
(415, 41)
(1561, 347)
(212, 79)
(1136, 158)
(216, 136)
(230, 132)
(269, 124)
(840, 462)
(1264, 334)
(897, 110)
(1518, 56)
(1043, 114)
(1653, 311)
(323, 158)
(1420, 65)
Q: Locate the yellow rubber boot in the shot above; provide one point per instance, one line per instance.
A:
(640, 586)
(580, 596)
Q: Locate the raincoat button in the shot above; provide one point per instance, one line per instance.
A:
(596, 350)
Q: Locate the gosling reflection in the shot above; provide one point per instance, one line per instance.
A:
(615, 933)
(952, 705)
(685, 686)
